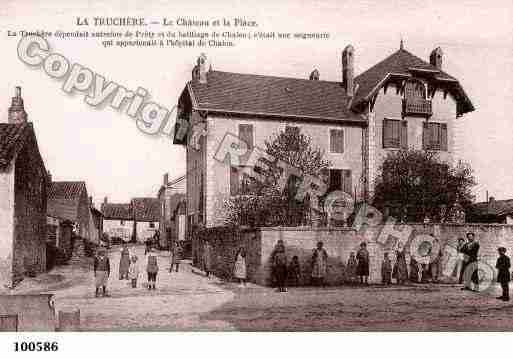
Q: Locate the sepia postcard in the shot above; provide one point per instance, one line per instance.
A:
(274, 166)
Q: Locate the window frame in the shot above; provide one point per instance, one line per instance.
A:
(343, 139)
(402, 123)
(427, 143)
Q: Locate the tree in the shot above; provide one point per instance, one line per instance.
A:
(416, 185)
(265, 203)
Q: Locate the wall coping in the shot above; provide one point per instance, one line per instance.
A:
(307, 228)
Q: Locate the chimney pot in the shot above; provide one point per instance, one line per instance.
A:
(315, 75)
(16, 113)
(166, 179)
(106, 200)
(436, 58)
(199, 72)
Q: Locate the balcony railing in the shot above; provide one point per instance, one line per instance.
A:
(417, 107)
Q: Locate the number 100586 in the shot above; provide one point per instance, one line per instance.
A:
(36, 346)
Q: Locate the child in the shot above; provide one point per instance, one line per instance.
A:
(240, 267)
(152, 269)
(351, 276)
(133, 271)
(503, 276)
(294, 271)
(386, 270)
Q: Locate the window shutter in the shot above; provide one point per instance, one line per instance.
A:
(404, 134)
(425, 136)
(337, 141)
(246, 135)
(234, 181)
(386, 133)
(444, 146)
(347, 185)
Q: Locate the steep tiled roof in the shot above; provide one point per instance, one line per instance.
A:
(272, 96)
(64, 198)
(121, 211)
(146, 209)
(69, 190)
(12, 138)
(405, 63)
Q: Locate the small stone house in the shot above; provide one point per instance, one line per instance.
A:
(146, 212)
(23, 198)
(118, 220)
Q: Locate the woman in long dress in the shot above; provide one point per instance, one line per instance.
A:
(239, 270)
(414, 270)
(319, 264)
(124, 262)
(400, 272)
(363, 263)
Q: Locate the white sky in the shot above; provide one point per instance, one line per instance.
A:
(105, 148)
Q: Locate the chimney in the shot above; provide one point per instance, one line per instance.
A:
(436, 57)
(166, 179)
(49, 177)
(315, 75)
(199, 73)
(91, 201)
(17, 112)
(105, 200)
(348, 69)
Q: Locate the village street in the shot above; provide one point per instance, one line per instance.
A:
(188, 301)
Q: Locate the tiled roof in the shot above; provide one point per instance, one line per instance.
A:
(496, 208)
(121, 211)
(68, 190)
(403, 62)
(64, 198)
(146, 209)
(227, 92)
(12, 138)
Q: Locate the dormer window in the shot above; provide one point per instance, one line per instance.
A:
(415, 101)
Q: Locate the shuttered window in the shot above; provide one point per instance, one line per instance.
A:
(434, 136)
(340, 180)
(336, 141)
(395, 134)
(246, 135)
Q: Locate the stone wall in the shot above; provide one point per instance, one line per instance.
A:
(6, 225)
(339, 243)
(29, 246)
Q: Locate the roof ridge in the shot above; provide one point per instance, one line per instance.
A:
(278, 77)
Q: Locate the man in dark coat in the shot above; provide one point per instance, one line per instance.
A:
(471, 252)
(503, 277)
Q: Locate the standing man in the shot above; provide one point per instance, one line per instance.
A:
(471, 252)
(207, 258)
(363, 263)
(503, 277)
(101, 272)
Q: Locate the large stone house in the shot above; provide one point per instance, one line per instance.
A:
(402, 101)
(23, 185)
(172, 225)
